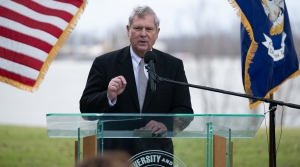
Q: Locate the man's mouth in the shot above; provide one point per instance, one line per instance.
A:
(143, 42)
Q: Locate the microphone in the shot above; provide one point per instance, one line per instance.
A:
(150, 58)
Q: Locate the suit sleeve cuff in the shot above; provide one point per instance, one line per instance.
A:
(112, 102)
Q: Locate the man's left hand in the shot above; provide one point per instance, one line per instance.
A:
(156, 127)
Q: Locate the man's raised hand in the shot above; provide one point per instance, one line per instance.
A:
(116, 86)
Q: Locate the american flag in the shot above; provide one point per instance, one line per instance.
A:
(31, 34)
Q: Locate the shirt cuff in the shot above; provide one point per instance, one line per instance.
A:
(112, 102)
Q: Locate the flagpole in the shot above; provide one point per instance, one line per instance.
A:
(272, 143)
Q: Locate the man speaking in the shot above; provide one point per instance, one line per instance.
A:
(119, 83)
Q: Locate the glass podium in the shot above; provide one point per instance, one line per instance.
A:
(217, 129)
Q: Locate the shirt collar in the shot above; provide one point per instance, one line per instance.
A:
(135, 58)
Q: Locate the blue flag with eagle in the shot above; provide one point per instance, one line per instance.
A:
(267, 49)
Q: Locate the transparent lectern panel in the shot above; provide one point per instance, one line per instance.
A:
(178, 129)
(66, 126)
(177, 125)
(88, 129)
(213, 129)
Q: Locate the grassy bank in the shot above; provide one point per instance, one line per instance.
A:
(30, 147)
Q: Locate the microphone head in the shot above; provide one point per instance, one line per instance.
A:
(149, 55)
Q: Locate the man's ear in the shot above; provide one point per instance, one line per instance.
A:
(128, 28)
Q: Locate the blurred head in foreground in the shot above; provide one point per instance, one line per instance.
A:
(108, 159)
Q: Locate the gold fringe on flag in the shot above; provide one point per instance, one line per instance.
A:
(15, 84)
(251, 51)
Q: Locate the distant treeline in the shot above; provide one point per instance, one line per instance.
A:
(205, 45)
(210, 45)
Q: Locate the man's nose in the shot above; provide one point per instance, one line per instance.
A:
(143, 32)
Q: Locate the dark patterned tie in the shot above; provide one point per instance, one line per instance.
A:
(142, 84)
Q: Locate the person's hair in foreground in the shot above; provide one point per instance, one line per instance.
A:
(108, 159)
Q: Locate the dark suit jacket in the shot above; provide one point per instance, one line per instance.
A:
(168, 98)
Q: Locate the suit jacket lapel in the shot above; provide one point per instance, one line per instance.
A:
(149, 94)
(125, 69)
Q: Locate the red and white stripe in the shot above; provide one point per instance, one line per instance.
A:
(29, 31)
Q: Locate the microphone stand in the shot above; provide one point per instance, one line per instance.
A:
(272, 108)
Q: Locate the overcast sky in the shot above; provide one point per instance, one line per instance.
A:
(177, 16)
